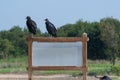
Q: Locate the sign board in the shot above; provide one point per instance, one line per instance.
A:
(57, 54)
(60, 53)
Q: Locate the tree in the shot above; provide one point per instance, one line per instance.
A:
(109, 36)
(5, 48)
(95, 44)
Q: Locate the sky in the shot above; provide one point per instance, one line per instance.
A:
(59, 12)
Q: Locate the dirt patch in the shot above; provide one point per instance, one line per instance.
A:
(41, 77)
(47, 77)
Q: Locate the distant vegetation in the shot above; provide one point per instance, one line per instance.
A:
(104, 38)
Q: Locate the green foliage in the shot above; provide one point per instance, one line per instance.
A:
(5, 48)
(109, 35)
(95, 45)
(116, 69)
(13, 42)
(104, 37)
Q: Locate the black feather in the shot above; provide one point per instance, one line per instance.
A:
(51, 28)
(104, 78)
(31, 25)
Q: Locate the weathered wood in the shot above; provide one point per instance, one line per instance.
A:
(58, 39)
(85, 39)
(29, 57)
(59, 68)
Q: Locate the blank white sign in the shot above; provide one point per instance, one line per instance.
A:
(57, 54)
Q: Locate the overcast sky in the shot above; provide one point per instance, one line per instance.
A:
(59, 12)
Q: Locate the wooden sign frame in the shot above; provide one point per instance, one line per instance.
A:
(84, 39)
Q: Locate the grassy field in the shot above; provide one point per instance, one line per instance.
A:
(19, 64)
(99, 67)
(13, 65)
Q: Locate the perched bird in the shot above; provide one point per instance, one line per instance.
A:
(31, 25)
(50, 28)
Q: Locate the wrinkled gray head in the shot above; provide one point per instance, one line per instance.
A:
(46, 19)
(28, 17)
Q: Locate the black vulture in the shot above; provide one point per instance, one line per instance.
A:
(31, 25)
(50, 28)
(104, 78)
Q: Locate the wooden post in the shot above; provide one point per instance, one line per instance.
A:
(29, 57)
(84, 42)
(84, 75)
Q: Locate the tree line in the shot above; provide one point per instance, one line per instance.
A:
(104, 37)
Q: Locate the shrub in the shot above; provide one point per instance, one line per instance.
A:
(116, 69)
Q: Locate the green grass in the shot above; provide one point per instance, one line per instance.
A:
(99, 67)
(13, 65)
(19, 64)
